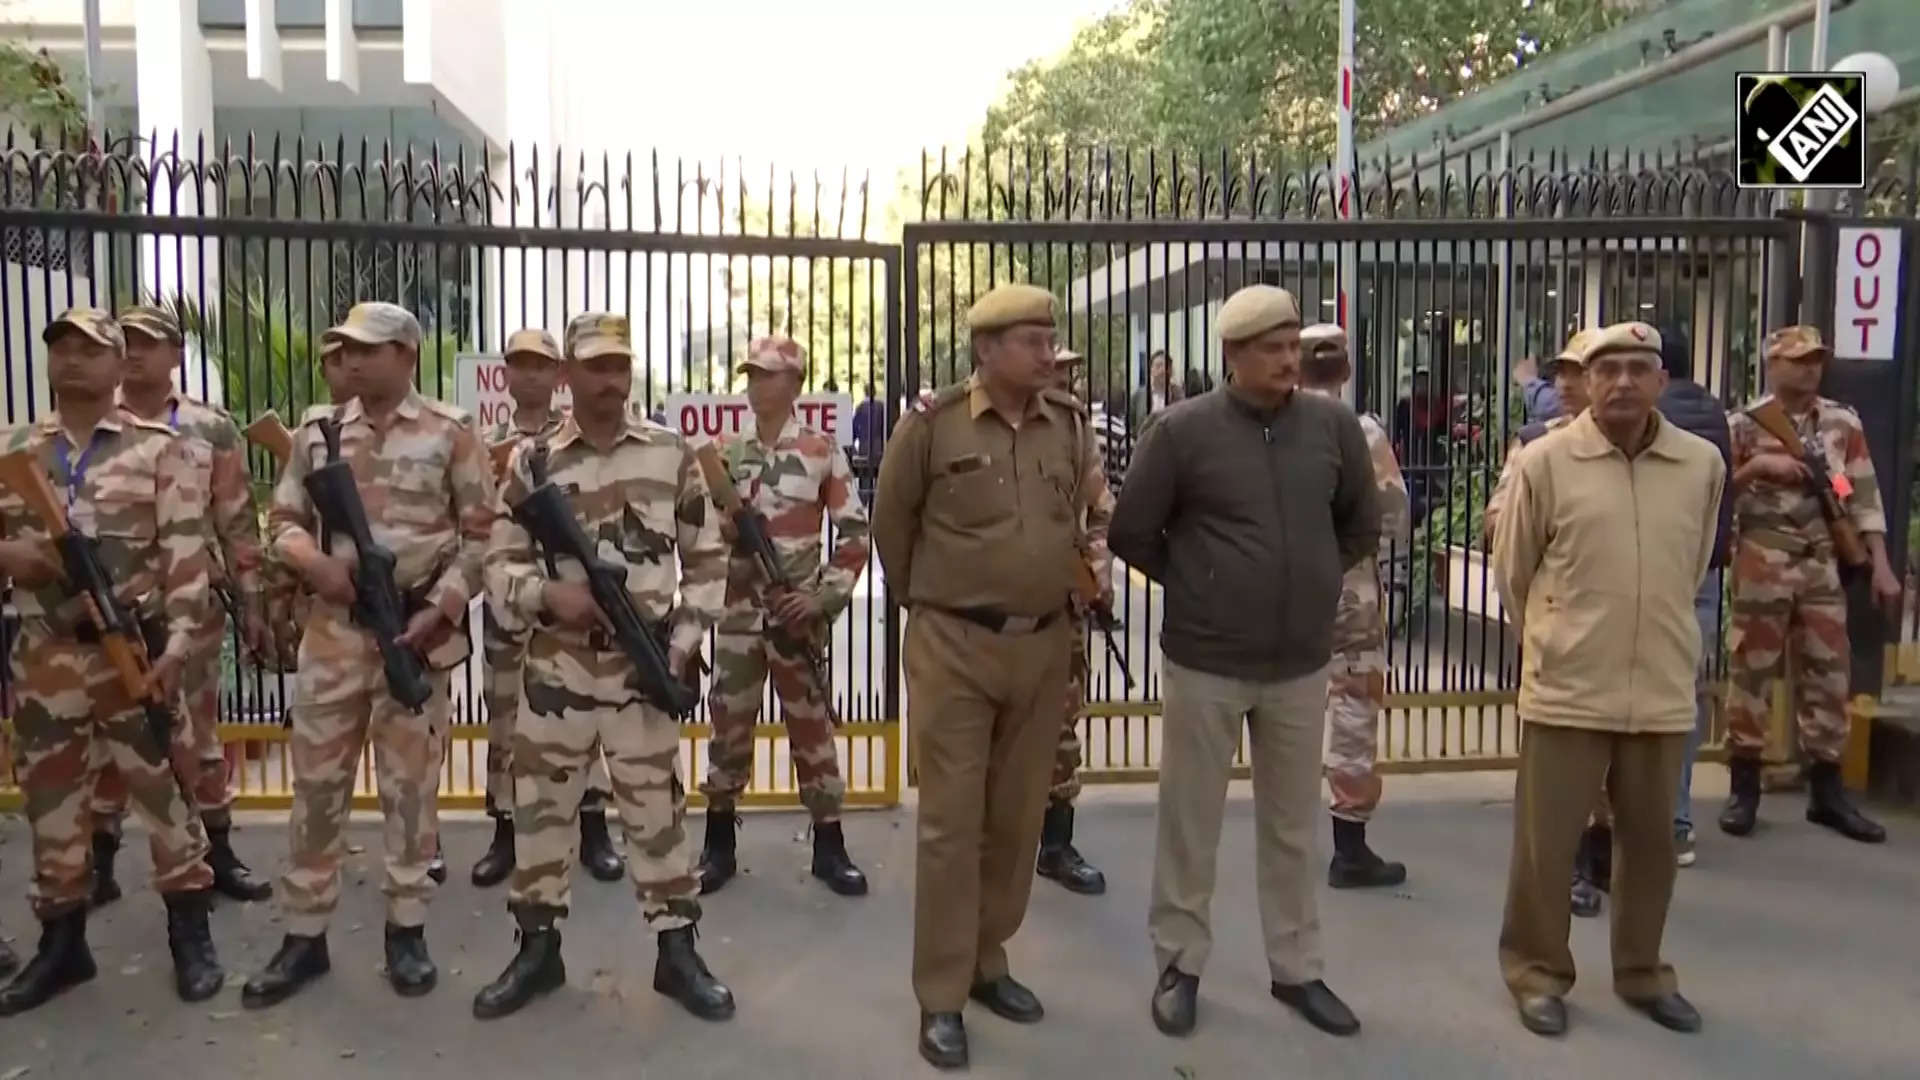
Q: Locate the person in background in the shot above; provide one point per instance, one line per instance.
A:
(1608, 530)
(1156, 395)
(869, 437)
(1693, 408)
(1539, 397)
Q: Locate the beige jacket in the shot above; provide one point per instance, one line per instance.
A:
(1598, 556)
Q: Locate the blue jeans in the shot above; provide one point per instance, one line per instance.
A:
(1706, 609)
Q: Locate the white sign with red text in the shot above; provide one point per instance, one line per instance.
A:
(1866, 294)
(480, 387)
(703, 417)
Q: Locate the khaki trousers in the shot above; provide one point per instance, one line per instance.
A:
(1561, 771)
(1200, 733)
(983, 709)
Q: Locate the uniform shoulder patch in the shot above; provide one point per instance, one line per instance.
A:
(1839, 406)
(1064, 399)
(446, 409)
(945, 396)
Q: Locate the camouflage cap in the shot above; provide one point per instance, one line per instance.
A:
(1323, 336)
(1064, 355)
(93, 322)
(598, 333)
(1621, 337)
(774, 353)
(1255, 310)
(156, 323)
(533, 342)
(1795, 343)
(375, 322)
(1012, 304)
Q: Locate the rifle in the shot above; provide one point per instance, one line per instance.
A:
(751, 526)
(1847, 544)
(500, 453)
(550, 523)
(121, 636)
(1087, 590)
(377, 604)
(272, 435)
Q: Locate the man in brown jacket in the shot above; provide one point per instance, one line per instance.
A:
(1247, 504)
(1608, 531)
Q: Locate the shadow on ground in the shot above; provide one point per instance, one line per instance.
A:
(1798, 946)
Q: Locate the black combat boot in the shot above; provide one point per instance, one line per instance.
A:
(1600, 856)
(1827, 804)
(681, 975)
(833, 865)
(497, 863)
(1584, 895)
(196, 970)
(62, 962)
(1743, 799)
(1354, 865)
(717, 863)
(409, 968)
(536, 969)
(1059, 859)
(231, 877)
(105, 888)
(299, 961)
(596, 847)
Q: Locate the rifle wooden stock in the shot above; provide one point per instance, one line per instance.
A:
(1848, 546)
(500, 453)
(268, 432)
(719, 483)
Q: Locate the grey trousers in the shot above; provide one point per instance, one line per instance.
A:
(1200, 733)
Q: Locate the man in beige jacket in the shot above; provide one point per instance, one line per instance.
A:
(1607, 534)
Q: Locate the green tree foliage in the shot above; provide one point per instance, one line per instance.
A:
(34, 92)
(1246, 74)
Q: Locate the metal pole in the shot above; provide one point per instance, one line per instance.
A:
(1344, 186)
(1817, 61)
(90, 14)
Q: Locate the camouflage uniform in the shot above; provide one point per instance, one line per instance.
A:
(427, 489)
(801, 478)
(136, 489)
(1786, 586)
(232, 521)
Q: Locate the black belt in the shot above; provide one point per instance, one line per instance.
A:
(999, 621)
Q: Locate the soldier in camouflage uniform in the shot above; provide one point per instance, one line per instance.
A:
(289, 602)
(424, 480)
(638, 493)
(794, 476)
(1787, 595)
(1059, 859)
(533, 369)
(135, 487)
(155, 348)
(1357, 688)
(1593, 858)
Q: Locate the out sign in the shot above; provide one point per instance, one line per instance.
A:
(1866, 298)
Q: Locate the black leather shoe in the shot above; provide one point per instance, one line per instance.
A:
(1176, 1002)
(717, 859)
(106, 889)
(409, 968)
(1670, 1011)
(536, 969)
(1583, 897)
(1828, 805)
(299, 961)
(1008, 999)
(1321, 1007)
(196, 968)
(1543, 1014)
(833, 865)
(1059, 860)
(943, 1040)
(680, 974)
(61, 963)
(1355, 865)
(1743, 801)
(231, 877)
(596, 848)
(497, 863)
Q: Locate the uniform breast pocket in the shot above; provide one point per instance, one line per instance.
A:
(125, 516)
(646, 531)
(417, 496)
(971, 490)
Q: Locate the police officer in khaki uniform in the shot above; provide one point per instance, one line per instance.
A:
(975, 519)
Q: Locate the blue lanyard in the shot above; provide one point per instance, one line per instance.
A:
(76, 471)
(173, 416)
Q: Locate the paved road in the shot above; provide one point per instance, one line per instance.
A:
(1798, 947)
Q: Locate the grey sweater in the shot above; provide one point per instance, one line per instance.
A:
(1248, 518)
